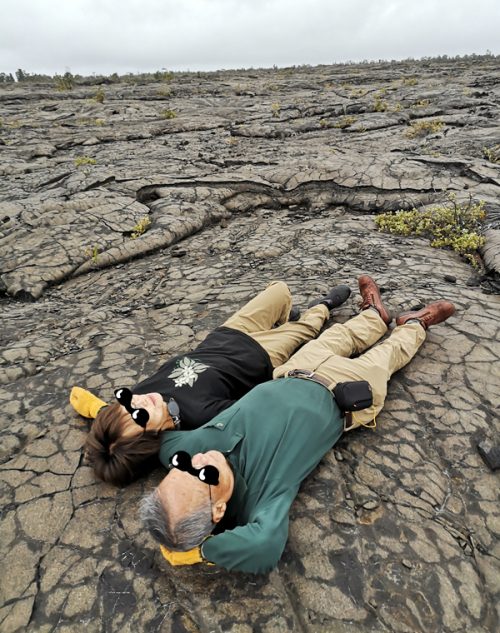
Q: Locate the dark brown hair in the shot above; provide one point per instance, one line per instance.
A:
(116, 459)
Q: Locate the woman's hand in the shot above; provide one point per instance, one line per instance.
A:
(85, 403)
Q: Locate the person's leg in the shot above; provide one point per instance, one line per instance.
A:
(376, 366)
(340, 340)
(282, 341)
(269, 307)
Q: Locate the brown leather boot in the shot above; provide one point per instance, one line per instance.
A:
(370, 293)
(430, 315)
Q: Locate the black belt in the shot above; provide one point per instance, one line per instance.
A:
(307, 374)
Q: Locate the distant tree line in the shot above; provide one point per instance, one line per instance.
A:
(68, 80)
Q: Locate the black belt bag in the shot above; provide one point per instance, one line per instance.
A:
(351, 397)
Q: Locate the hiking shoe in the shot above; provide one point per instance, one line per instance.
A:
(430, 315)
(370, 294)
(294, 314)
(335, 298)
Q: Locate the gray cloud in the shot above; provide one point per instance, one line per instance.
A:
(104, 36)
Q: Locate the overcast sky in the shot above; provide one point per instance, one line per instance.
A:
(105, 36)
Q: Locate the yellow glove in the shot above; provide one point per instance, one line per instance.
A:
(85, 403)
(191, 557)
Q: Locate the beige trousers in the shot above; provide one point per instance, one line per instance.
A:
(328, 356)
(272, 306)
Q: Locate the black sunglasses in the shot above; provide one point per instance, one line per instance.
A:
(141, 416)
(207, 474)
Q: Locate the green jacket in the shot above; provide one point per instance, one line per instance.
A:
(273, 437)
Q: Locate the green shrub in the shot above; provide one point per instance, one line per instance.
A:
(64, 82)
(423, 128)
(492, 154)
(168, 114)
(92, 253)
(99, 95)
(85, 160)
(275, 109)
(344, 122)
(380, 105)
(141, 227)
(451, 225)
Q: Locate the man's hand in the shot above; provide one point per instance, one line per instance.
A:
(85, 403)
(191, 557)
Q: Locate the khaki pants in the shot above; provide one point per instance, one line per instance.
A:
(272, 306)
(328, 356)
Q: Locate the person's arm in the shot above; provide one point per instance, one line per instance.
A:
(85, 403)
(255, 547)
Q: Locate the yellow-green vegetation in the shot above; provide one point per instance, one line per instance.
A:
(423, 103)
(275, 109)
(164, 92)
(141, 227)
(450, 225)
(358, 92)
(163, 75)
(380, 105)
(1, 121)
(84, 122)
(423, 128)
(64, 82)
(344, 122)
(92, 253)
(99, 95)
(324, 123)
(168, 114)
(85, 160)
(492, 154)
(397, 107)
(410, 81)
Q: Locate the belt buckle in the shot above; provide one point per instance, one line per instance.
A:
(301, 373)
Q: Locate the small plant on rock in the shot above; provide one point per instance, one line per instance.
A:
(164, 92)
(99, 95)
(451, 225)
(423, 128)
(141, 227)
(80, 161)
(344, 122)
(168, 114)
(380, 105)
(358, 92)
(64, 82)
(275, 109)
(92, 253)
(492, 154)
(410, 81)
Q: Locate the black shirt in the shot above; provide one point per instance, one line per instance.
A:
(224, 367)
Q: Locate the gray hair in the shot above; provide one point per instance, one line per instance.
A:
(181, 536)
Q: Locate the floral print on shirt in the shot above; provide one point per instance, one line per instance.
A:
(186, 371)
